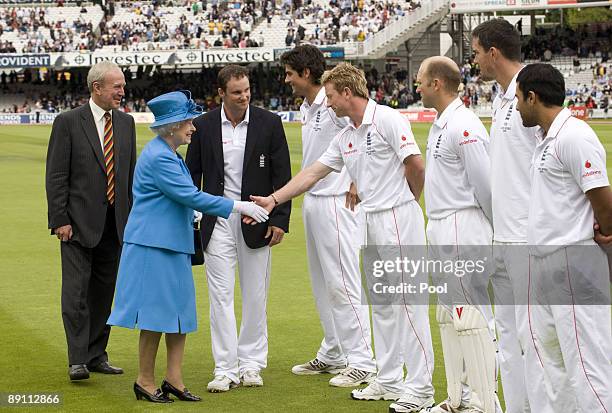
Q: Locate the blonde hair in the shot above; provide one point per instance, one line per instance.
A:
(347, 75)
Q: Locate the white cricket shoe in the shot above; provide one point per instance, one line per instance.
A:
(316, 366)
(375, 391)
(352, 377)
(252, 378)
(445, 407)
(412, 404)
(221, 384)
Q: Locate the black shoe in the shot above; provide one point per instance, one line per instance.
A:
(78, 372)
(106, 368)
(184, 395)
(157, 397)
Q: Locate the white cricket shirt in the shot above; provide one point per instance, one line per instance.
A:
(319, 126)
(373, 155)
(567, 163)
(457, 173)
(511, 150)
(233, 140)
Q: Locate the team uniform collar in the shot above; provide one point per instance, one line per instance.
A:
(556, 126)
(368, 115)
(318, 99)
(442, 118)
(510, 94)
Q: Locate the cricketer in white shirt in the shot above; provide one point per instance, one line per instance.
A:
(569, 279)
(512, 147)
(333, 248)
(374, 155)
(381, 155)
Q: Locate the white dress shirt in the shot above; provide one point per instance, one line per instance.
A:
(233, 140)
(98, 115)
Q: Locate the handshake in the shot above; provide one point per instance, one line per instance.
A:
(252, 213)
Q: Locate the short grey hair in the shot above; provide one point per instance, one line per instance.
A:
(167, 129)
(98, 71)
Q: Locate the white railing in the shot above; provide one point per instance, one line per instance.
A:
(428, 7)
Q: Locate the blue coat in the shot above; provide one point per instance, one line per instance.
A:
(155, 289)
(164, 200)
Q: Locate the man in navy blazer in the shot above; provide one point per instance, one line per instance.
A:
(239, 150)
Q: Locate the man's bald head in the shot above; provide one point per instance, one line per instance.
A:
(445, 70)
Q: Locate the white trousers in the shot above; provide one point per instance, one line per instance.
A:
(402, 335)
(333, 261)
(569, 312)
(521, 372)
(233, 353)
(463, 235)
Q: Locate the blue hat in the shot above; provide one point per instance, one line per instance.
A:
(173, 107)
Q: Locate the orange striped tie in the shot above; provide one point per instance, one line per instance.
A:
(109, 158)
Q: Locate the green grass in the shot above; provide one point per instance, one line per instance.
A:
(32, 343)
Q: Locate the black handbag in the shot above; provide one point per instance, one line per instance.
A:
(198, 257)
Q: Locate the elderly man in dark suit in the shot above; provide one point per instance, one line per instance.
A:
(90, 166)
(239, 150)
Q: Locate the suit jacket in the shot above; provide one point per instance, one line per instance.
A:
(76, 174)
(164, 200)
(265, 136)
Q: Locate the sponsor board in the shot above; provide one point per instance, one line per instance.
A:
(142, 117)
(328, 52)
(223, 56)
(419, 116)
(12, 118)
(8, 61)
(580, 112)
(27, 118)
(78, 59)
(139, 117)
(472, 6)
(178, 57)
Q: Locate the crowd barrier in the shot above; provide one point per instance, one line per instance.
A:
(415, 116)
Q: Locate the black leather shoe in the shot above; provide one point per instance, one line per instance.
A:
(106, 368)
(157, 397)
(78, 372)
(184, 395)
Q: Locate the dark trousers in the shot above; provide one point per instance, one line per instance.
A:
(88, 286)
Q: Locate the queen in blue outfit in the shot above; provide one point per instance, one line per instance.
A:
(155, 290)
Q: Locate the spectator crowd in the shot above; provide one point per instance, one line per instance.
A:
(196, 24)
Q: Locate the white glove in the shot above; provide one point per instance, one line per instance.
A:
(252, 210)
(197, 216)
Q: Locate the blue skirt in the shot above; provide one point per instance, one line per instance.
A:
(155, 291)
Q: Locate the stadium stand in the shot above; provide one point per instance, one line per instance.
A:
(581, 54)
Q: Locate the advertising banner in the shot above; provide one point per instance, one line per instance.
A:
(223, 56)
(419, 116)
(87, 59)
(580, 112)
(329, 52)
(10, 60)
(475, 6)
